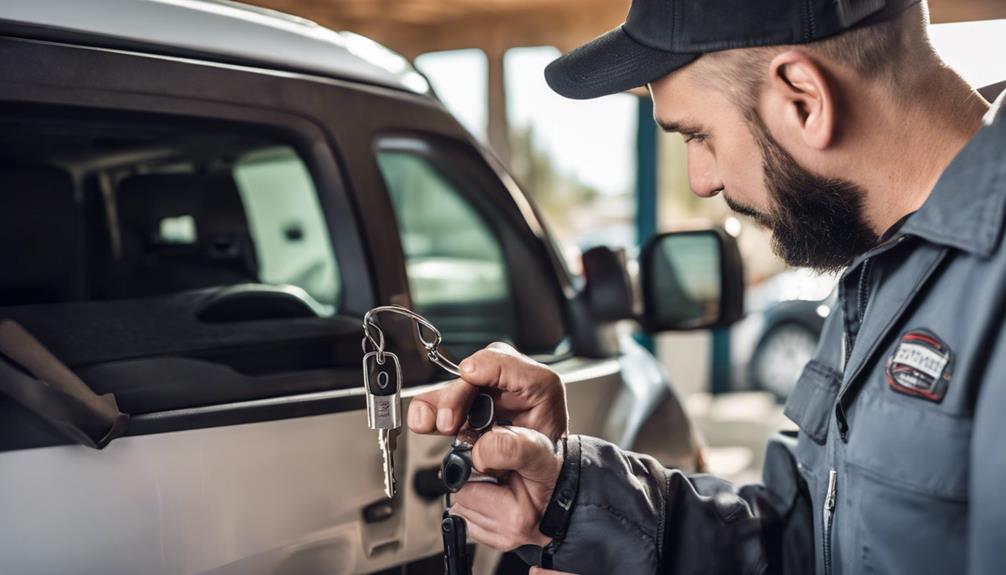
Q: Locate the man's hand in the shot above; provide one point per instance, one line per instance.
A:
(506, 516)
(526, 392)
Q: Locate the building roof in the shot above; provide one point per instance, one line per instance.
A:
(216, 29)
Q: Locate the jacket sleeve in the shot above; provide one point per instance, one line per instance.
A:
(631, 515)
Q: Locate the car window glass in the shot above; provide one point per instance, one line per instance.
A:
(456, 267)
(150, 208)
(286, 222)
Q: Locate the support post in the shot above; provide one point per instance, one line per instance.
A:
(646, 183)
(498, 128)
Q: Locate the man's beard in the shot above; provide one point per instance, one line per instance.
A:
(816, 222)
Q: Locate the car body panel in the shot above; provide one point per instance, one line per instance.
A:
(265, 497)
(226, 31)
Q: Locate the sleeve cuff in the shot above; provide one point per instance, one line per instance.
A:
(610, 517)
(556, 517)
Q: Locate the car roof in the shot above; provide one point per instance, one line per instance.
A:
(217, 30)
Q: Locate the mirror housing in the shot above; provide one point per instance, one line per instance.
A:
(609, 290)
(691, 280)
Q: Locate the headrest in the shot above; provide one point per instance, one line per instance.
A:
(143, 201)
(213, 201)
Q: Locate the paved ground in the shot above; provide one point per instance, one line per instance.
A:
(736, 427)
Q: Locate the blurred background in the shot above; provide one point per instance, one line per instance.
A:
(602, 174)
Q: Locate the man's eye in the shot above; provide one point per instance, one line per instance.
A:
(695, 138)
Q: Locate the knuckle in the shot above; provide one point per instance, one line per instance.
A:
(553, 381)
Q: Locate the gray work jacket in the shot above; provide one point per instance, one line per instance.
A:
(899, 465)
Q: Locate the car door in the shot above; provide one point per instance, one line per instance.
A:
(187, 244)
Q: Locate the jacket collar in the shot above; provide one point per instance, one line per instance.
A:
(967, 208)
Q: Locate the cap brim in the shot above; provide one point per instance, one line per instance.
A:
(609, 64)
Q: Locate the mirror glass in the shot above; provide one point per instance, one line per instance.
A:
(685, 283)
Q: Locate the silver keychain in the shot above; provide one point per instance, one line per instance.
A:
(382, 376)
(382, 380)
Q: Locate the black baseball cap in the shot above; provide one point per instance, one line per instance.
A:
(661, 36)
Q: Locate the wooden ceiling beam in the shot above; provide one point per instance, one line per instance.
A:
(941, 11)
(413, 27)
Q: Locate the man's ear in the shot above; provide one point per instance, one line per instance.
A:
(801, 98)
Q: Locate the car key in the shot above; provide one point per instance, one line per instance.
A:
(456, 468)
(454, 530)
(382, 377)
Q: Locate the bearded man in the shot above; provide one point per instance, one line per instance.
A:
(835, 124)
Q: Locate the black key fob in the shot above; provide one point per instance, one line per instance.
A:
(455, 533)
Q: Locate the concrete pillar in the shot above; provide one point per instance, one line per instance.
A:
(498, 128)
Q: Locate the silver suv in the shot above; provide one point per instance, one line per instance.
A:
(198, 203)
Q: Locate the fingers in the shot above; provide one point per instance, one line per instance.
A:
(524, 451)
(484, 498)
(530, 394)
(506, 516)
(540, 571)
(526, 391)
(501, 366)
(498, 517)
(478, 531)
(441, 410)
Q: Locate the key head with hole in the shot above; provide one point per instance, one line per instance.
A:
(382, 379)
(383, 383)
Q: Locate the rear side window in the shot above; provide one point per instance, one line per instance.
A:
(458, 273)
(451, 255)
(138, 207)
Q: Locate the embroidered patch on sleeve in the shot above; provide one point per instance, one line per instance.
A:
(921, 366)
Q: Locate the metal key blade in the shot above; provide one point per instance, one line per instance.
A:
(392, 443)
(387, 440)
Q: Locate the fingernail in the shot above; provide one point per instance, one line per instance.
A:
(467, 366)
(421, 417)
(445, 419)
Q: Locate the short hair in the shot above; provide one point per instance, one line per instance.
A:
(892, 52)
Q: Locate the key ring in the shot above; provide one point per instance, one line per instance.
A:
(432, 346)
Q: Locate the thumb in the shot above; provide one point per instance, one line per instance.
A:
(524, 451)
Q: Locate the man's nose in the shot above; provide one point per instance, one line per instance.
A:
(702, 178)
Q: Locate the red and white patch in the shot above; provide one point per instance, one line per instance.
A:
(921, 366)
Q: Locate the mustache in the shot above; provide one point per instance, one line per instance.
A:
(746, 210)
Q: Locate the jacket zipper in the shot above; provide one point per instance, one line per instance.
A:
(829, 513)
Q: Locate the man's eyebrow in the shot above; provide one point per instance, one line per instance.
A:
(677, 127)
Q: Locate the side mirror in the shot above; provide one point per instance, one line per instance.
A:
(691, 280)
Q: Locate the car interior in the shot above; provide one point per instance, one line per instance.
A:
(95, 198)
(136, 253)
